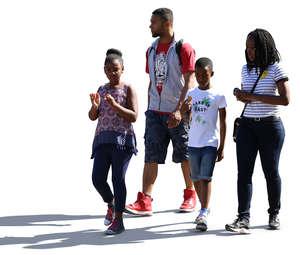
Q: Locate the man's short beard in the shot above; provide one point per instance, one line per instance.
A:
(155, 35)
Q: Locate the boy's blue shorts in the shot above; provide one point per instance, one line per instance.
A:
(202, 162)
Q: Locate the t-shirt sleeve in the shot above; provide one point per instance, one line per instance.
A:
(147, 67)
(279, 73)
(222, 102)
(188, 58)
(243, 72)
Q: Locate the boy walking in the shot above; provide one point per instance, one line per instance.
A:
(203, 106)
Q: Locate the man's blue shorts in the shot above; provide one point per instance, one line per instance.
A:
(158, 136)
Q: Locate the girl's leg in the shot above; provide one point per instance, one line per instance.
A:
(271, 141)
(120, 161)
(102, 162)
(246, 149)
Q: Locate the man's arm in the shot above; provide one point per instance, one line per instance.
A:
(175, 117)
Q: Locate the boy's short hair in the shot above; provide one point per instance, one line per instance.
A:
(204, 62)
(164, 13)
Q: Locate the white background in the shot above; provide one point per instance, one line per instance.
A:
(51, 58)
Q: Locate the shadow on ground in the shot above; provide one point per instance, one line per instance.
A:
(95, 236)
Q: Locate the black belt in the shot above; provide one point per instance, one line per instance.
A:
(264, 118)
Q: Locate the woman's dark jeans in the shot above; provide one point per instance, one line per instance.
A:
(265, 137)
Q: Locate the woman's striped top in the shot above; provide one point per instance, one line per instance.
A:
(266, 86)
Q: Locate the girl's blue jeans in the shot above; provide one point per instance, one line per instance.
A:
(106, 156)
(265, 137)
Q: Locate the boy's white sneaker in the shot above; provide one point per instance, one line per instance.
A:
(201, 220)
(201, 213)
(202, 223)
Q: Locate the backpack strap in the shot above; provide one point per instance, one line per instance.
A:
(178, 47)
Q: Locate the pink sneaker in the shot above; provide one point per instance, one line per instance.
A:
(142, 206)
(109, 216)
(189, 202)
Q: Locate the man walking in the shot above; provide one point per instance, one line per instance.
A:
(171, 71)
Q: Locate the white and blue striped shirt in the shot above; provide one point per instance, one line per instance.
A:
(266, 86)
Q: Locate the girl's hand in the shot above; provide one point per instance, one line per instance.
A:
(110, 100)
(95, 100)
(243, 96)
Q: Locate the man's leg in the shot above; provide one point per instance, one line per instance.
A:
(179, 137)
(156, 147)
(186, 171)
(149, 177)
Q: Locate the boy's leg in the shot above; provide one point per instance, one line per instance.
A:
(206, 163)
(206, 167)
(203, 189)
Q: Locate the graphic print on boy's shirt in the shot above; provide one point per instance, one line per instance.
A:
(205, 107)
(199, 108)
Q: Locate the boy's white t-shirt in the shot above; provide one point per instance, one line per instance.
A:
(205, 106)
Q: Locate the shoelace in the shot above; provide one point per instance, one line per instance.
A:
(238, 219)
(274, 218)
(109, 213)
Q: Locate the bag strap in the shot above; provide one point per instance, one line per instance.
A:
(178, 50)
(252, 90)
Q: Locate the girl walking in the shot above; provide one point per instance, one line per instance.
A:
(261, 129)
(115, 107)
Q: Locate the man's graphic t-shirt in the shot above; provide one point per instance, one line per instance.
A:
(187, 56)
(205, 106)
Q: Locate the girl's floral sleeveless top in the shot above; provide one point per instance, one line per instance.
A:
(111, 128)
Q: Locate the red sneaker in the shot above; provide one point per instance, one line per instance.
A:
(142, 206)
(109, 216)
(189, 202)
